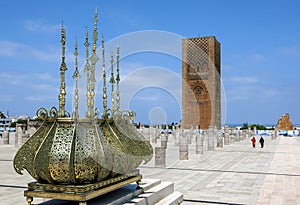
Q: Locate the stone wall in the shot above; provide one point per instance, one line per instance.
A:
(284, 123)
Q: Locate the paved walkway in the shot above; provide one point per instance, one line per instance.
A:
(237, 174)
(234, 174)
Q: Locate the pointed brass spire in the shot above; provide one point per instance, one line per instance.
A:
(76, 75)
(93, 59)
(63, 68)
(104, 80)
(118, 80)
(87, 69)
(112, 81)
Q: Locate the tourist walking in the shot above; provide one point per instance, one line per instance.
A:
(261, 141)
(253, 140)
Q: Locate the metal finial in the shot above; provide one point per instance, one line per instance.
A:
(76, 75)
(118, 79)
(112, 81)
(63, 68)
(93, 59)
(104, 80)
(87, 69)
(95, 33)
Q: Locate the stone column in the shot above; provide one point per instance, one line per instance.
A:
(164, 139)
(199, 143)
(5, 136)
(12, 137)
(254, 131)
(231, 136)
(272, 135)
(211, 141)
(154, 135)
(149, 133)
(219, 138)
(183, 147)
(177, 136)
(237, 136)
(19, 133)
(241, 134)
(276, 132)
(226, 139)
(160, 157)
(249, 132)
(190, 135)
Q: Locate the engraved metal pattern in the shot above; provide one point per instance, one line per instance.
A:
(60, 154)
(41, 160)
(85, 164)
(142, 147)
(25, 155)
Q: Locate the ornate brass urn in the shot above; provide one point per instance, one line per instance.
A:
(68, 150)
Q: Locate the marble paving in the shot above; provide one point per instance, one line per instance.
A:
(234, 174)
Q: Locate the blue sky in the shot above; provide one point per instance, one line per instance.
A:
(260, 52)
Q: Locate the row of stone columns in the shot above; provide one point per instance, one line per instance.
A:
(183, 138)
(19, 137)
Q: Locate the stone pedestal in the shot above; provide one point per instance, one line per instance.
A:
(183, 147)
(190, 135)
(237, 136)
(241, 134)
(276, 133)
(211, 139)
(164, 140)
(249, 132)
(176, 137)
(226, 139)
(219, 138)
(5, 137)
(160, 157)
(154, 135)
(199, 143)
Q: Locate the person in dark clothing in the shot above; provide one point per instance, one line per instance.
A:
(261, 141)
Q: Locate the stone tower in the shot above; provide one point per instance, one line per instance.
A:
(201, 86)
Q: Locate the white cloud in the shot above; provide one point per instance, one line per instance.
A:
(38, 25)
(292, 51)
(16, 49)
(244, 79)
(257, 57)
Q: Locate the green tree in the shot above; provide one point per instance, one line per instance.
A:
(2, 115)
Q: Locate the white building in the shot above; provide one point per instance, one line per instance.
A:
(4, 124)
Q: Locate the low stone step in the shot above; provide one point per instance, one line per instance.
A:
(121, 196)
(153, 195)
(173, 199)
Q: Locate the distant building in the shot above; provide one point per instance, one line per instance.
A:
(4, 124)
(201, 82)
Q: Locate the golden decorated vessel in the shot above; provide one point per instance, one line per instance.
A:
(71, 157)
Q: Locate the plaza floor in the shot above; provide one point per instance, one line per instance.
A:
(234, 174)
